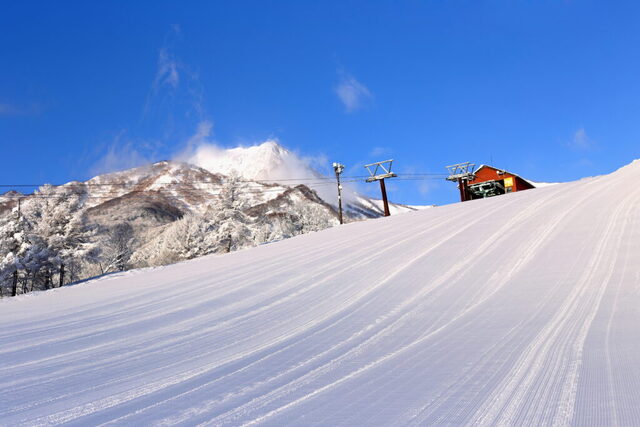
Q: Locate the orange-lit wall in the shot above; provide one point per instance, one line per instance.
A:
(488, 173)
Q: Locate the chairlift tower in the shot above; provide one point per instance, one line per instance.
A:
(378, 172)
(462, 173)
(338, 169)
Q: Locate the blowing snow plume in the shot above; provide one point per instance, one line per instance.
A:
(268, 161)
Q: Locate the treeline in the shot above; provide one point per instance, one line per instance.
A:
(44, 241)
(49, 242)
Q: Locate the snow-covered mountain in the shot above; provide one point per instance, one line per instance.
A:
(162, 192)
(167, 212)
(151, 215)
(513, 310)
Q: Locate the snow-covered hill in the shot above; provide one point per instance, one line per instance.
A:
(515, 310)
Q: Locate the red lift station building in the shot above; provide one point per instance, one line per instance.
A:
(489, 181)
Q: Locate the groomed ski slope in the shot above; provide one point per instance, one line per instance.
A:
(522, 309)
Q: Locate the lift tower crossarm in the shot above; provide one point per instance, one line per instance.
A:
(384, 167)
(462, 173)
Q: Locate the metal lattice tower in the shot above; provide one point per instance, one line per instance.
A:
(462, 173)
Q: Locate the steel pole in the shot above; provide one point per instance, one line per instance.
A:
(339, 198)
(384, 198)
(461, 188)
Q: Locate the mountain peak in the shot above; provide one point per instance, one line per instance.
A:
(265, 161)
(273, 145)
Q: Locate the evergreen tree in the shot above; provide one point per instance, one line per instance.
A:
(13, 246)
(230, 226)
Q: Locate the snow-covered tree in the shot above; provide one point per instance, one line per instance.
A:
(314, 217)
(222, 228)
(13, 247)
(116, 248)
(186, 238)
(230, 226)
(52, 234)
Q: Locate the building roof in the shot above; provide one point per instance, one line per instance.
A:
(506, 171)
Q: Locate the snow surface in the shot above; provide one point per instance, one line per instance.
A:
(540, 184)
(520, 309)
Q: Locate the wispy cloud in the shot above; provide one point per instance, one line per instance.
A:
(353, 94)
(167, 74)
(176, 91)
(581, 141)
(8, 109)
(202, 135)
(122, 153)
(379, 151)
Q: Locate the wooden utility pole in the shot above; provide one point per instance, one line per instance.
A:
(379, 171)
(14, 291)
(61, 276)
(338, 168)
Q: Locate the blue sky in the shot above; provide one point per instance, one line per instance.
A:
(547, 89)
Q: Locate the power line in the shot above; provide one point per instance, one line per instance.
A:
(81, 189)
(146, 192)
(318, 180)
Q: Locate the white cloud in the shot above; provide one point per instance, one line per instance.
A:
(203, 132)
(122, 154)
(353, 94)
(581, 141)
(9, 110)
(426, 187)
(379, 151)
(167, 74)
